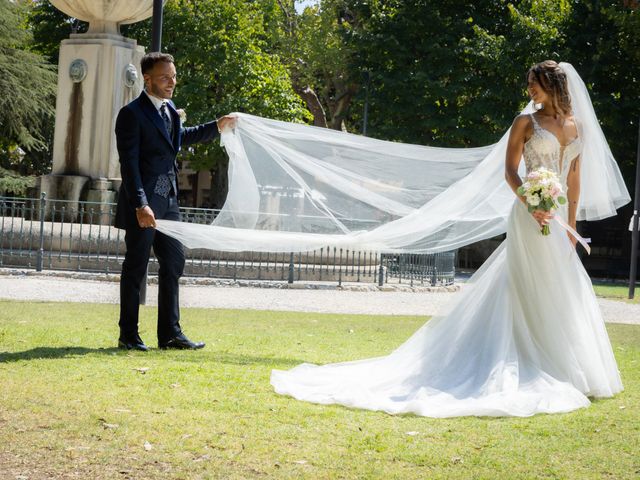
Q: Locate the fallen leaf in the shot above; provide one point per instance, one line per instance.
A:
(412, 434)
(111, 426)
(300, 462)
(456, 460)
(175, 385)
(148, 446)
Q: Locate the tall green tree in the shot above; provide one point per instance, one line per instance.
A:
(314, 46)
(28, 85)
(603, 43)
(224, 64)
(432, 70)
(49, 27)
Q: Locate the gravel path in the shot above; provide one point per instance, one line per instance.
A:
(327, 299)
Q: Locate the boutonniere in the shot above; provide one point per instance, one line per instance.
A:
(182, 114)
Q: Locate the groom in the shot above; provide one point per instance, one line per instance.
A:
(149, 136)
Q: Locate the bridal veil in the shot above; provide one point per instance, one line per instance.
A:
(294, 187)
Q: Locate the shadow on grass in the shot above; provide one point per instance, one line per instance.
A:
(52, 353)
(229, 358)
(41, 353)
(233, 359)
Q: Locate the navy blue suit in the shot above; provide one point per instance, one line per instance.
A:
(147, 165)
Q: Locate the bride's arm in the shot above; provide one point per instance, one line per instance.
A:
(517, 139)
(573, 194)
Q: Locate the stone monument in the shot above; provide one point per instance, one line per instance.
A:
(98, 73)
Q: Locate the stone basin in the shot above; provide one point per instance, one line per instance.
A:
(105, 16)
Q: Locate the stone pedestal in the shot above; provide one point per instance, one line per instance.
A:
(100, 197)
(98, 75)
(70, 189)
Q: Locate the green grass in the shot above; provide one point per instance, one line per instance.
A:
(617, 292)
(72, 406)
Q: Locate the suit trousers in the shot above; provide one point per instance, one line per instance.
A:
(170, 255)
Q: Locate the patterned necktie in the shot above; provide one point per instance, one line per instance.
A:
(165, 118)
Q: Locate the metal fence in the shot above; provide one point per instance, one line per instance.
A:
(50, 234)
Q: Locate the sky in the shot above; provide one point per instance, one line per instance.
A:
(301, 4)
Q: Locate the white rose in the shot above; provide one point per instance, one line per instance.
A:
(533, 200)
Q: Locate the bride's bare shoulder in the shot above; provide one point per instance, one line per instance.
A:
(523, 119)
(522, 125)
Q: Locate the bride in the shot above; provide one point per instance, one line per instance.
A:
(526, 336)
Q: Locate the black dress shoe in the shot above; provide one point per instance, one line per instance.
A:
(181, 342)
(132, 344)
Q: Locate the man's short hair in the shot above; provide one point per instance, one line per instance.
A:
(150, 59)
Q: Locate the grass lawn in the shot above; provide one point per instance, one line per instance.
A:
(72, 406)
(616, 292)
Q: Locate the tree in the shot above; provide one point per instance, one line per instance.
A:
(315, 49)
(219, 47)
(28, 83)
(429, 84)
(49, 27)
(603, 43)
(223, 63)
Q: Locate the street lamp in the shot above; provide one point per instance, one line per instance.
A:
(156, 29)
(365, 118)
(633, 270)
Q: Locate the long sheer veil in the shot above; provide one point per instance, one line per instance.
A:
(294, 187)
(601, 185)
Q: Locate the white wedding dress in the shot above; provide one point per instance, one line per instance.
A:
(526, 336)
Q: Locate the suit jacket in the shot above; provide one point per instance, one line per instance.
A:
(146, 153)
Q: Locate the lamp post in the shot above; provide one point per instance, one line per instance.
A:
(156, 29)
(156, 46)
(633, 270)
(365, 119)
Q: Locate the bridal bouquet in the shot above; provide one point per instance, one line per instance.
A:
(543, 191)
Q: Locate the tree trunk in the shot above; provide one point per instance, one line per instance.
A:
(313, 104)
(219, 185)
(340, 107)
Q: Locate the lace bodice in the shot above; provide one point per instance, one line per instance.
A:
(543, 149)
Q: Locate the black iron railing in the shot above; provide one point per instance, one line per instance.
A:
(42, 233)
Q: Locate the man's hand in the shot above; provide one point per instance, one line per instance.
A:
(228, 121)
(146, 218)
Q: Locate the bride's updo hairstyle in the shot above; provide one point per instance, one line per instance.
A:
(553, 81)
